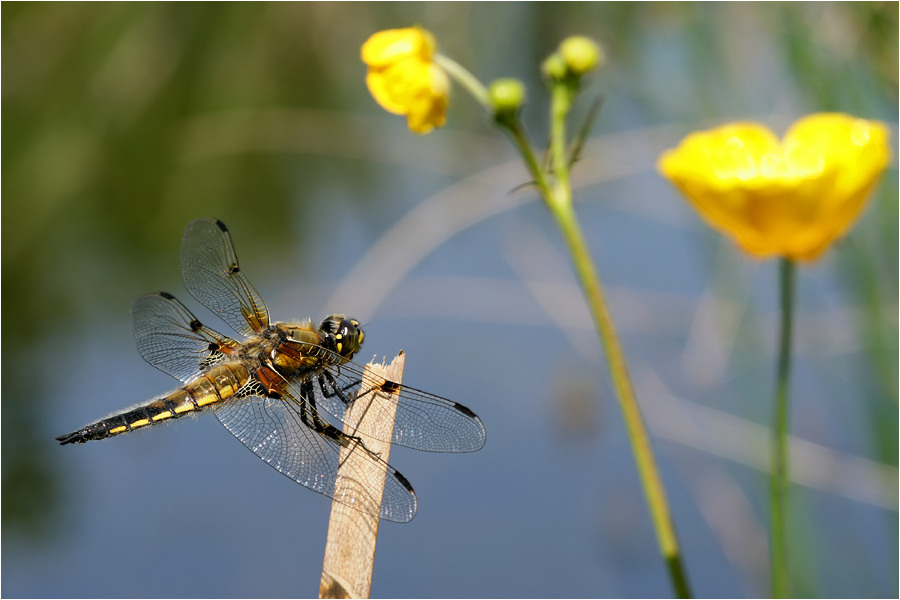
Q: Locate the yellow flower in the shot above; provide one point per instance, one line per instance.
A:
(403, 78)
(789, 198)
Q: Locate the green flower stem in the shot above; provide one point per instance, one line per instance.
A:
(779, 433)
(520, 139)
(465, 79)
(637, 432)
(558, 198)
(561, 207)
(560, 104)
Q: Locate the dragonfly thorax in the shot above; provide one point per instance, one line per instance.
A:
(301, 346)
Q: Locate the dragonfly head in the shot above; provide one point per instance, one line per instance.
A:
(348, 336)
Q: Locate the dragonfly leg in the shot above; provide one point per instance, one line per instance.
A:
(326, 380)
(309, 414)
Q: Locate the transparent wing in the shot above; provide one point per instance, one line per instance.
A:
(172, 339)
(212, 275)
(423, 421)
(277, 432)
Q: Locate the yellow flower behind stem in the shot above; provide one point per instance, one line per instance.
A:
(789, 198)
(404, 79)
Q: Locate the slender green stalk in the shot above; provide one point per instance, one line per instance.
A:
(560, 103)
(557, 194)
(562, 209)
(558, 198)
(779, 433)
(520, 139)
(637, 432)
(465, 79)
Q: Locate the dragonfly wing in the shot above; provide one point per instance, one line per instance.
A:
(423, 421)
(172, 339)
(211, 273)
(276, 430)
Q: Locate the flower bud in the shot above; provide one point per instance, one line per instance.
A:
(507, 95)
(554, 67)
(580, 54)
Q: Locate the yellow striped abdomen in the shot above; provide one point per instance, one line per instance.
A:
(215, 385)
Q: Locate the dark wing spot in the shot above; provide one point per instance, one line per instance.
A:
(196, 325)
(464, 410)
(404, 482)
(390, 387)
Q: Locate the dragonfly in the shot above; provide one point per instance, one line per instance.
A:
(275, 389)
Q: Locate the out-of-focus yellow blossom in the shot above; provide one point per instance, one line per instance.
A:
(403, 78)
(789, 198)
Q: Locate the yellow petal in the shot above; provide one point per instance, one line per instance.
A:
(395, 85)
(428, 104)
(843, 157)
(391, 45)
(724, 156)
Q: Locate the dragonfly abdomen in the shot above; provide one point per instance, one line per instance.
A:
(214, 386)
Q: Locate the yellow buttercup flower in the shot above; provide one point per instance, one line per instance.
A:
(789, 198)
(403, 78)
